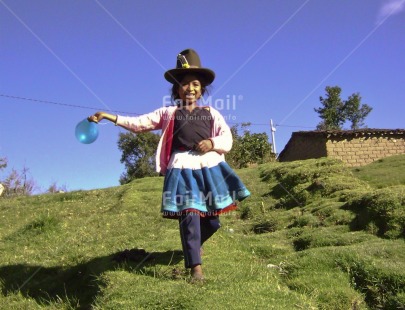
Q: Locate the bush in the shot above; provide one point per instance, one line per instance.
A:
(305, 220)
(300, 182)
(382, 286)
(249, 148)
(383, 208)
(265, 227)
(245, 212)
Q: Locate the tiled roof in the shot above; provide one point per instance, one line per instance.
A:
(356, 132)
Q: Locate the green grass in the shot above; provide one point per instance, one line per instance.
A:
(384, 172)
(312, 236)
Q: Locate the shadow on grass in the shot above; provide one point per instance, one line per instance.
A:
(77, 285)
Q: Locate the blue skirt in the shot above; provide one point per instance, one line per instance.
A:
(202, 183)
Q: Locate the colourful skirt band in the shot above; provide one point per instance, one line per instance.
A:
(202, 183)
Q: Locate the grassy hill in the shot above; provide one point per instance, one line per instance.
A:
(314, 235)
(383, 172)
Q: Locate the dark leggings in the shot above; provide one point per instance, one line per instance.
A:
(194, 231)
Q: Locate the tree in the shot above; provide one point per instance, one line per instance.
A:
(355, 111)
(18, 183)
(335, 112)
(138, 155)
(332, 112)
(3, 163)
(249, 148)
(55, 188)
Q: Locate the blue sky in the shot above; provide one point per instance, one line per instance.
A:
(272, 58)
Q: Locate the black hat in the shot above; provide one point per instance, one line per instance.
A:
(188, 62)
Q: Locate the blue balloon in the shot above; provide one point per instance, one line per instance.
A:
(86, 132)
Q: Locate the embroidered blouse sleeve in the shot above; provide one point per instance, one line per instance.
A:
(142, 123)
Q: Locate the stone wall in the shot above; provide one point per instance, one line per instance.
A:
(353, 147)
(362, 150)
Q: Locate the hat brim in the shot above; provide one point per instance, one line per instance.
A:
(175, 76)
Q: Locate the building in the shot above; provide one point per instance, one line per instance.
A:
(354, 147)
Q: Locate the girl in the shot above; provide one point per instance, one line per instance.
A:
(199, 185)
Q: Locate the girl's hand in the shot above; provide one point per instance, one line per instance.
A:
(96, 117)
(102, 115)
(204, 146)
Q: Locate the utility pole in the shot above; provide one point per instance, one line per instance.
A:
(273, 139)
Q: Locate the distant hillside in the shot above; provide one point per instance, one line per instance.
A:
(313, 235)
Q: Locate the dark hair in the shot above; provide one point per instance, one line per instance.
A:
(175, 89)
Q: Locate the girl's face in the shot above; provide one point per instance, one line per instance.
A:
(190, 89)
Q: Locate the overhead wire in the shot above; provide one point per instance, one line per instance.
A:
(124, 112)
(63, 104)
